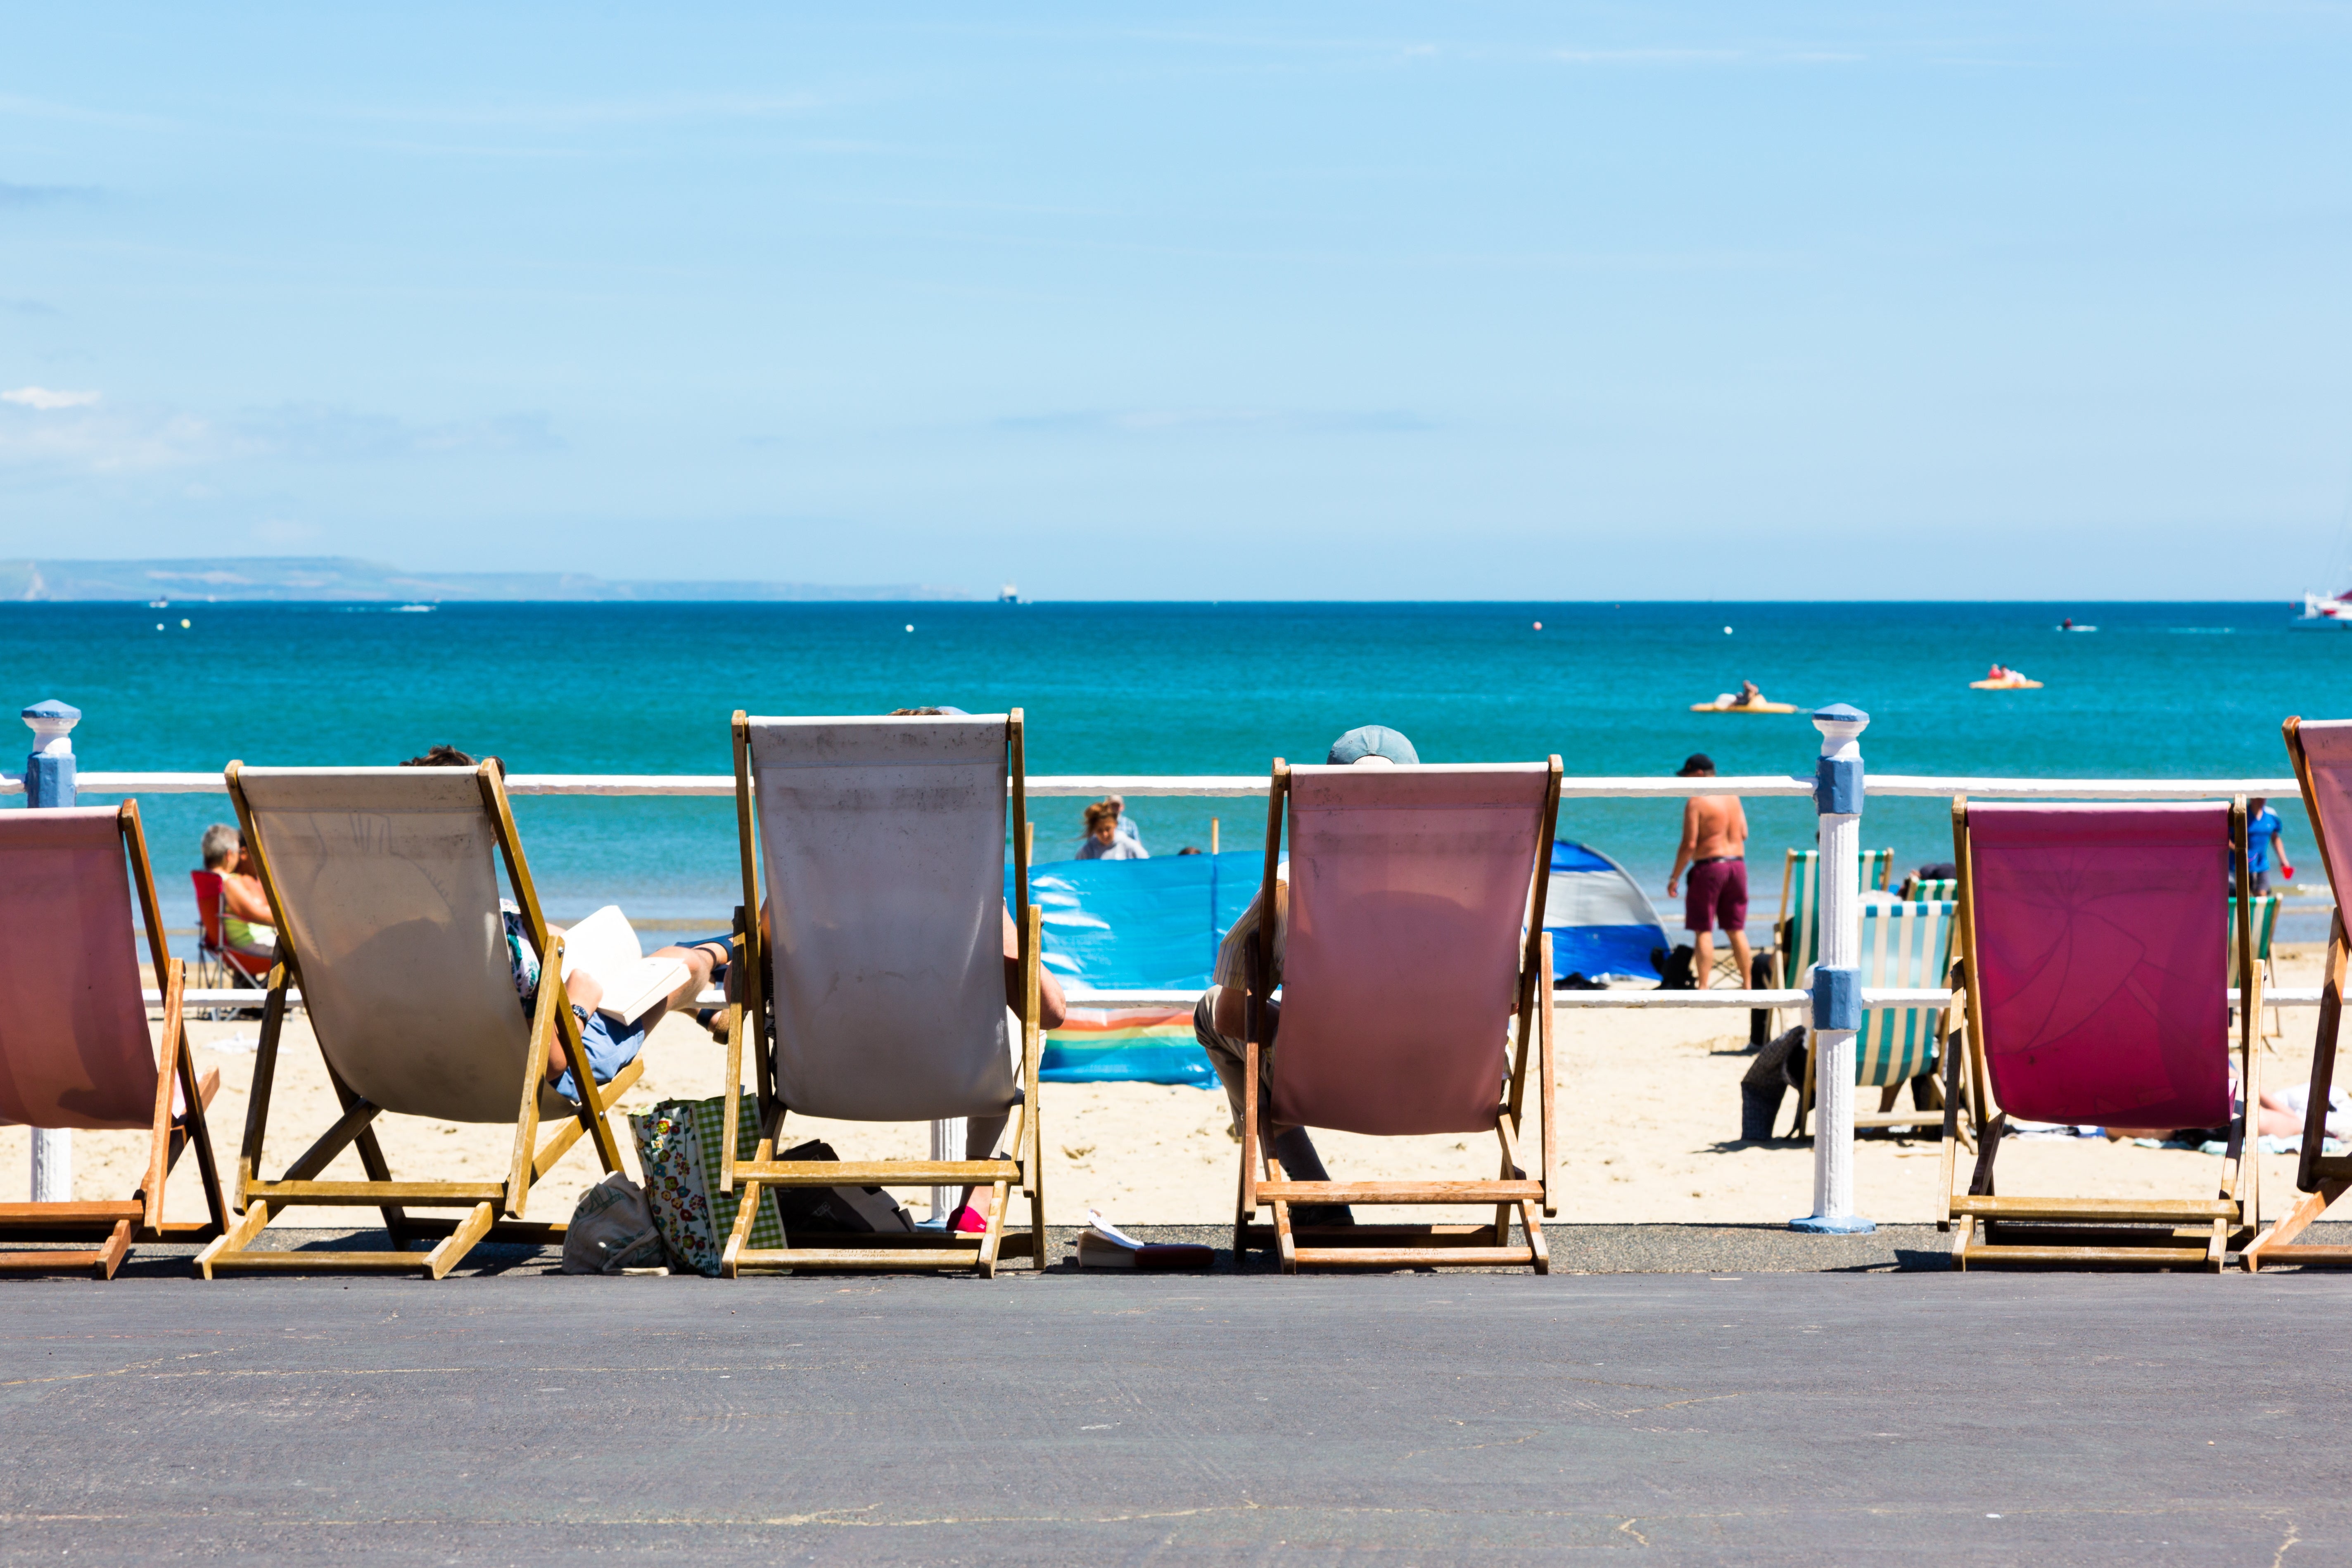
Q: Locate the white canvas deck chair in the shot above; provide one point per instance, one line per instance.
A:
(1906, 947)
(1416, 946)
(2322, 752)
(384, 882)
(879, 994)
(75, 1050)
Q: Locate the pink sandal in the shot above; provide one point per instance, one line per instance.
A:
(969, 1220)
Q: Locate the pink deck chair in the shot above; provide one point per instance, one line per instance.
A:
(2095, 979)
(2322, 752)
(74, 1049)
(1414, 939)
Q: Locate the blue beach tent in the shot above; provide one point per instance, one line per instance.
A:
(1601, 921)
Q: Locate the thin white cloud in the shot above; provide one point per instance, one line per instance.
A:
(43, 397)
(1679, 57)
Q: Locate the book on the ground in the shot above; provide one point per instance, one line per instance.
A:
(606, 946)
(1103, 1244)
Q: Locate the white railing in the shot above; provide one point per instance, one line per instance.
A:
(1232, 785)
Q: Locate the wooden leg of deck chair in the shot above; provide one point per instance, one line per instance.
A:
(1285, 1247)
(1244, 1210)
(471, 1229)
(1534, 1227)
(1964, 1231)
(110, 1254)
(234, 1239)
(2273, 1245)
(730, 1261)
(2218, 1248)
(999, 1195)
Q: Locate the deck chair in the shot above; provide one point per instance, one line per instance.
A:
(1905, 946)
(1930, 889)
(2096, 990)
(2264, 909)
(2322, 752)
(384, 883)
(879, 995)
(75, 1051)
(1415, 935)
(1797, 930)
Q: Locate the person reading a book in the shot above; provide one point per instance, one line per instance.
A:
(1219, 1018)
(617, 996)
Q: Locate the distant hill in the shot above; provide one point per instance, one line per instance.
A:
(343, 578)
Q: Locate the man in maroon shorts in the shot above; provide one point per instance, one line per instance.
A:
(1714, 848)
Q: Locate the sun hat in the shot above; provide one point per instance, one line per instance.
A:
(1372, 741)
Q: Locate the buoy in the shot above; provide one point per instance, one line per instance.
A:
(1726, 631)
(1539, 625)
(910, 625)
(159, 626)
(183, 626)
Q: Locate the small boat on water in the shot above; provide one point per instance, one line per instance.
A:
(2004, 678)
(2068, 625)
(2325, 612)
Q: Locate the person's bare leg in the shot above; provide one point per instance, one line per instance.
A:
(1703, 961)
(1741, 955)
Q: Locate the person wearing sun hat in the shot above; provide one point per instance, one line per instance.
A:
(1218, 1018)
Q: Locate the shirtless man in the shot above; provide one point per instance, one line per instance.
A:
(1714, 848)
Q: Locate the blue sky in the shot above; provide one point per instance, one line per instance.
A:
(2043, 301)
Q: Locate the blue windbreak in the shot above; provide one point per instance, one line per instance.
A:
(1141, 925)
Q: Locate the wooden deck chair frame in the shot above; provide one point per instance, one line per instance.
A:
(2320, 1176)
(115, 1227)
(1886, 1116)
(2265, 909)
(748, 1018)
(1265, 1183)
(2187, 1232)
(493, 1210)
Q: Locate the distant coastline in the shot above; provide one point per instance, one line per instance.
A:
(346, 579)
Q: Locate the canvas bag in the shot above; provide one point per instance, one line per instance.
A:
(611, 1229)
(678, 1149)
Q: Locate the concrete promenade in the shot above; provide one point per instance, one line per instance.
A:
(1108, 1418)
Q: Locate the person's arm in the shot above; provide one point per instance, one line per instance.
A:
(1053, 1010)
(242, 898)
(1690, 842)
(1736, 831)
(1229, 1014)
(2278, 851)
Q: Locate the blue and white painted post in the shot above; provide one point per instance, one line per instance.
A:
(1836, 982)
(49, 783)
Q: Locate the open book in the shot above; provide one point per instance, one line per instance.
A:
(606, 946)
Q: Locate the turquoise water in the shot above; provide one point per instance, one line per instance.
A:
(2158, 690)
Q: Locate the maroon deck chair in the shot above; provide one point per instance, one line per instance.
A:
(2095, 972)
(2322, 751)
(75, 1050)
(1412, 944)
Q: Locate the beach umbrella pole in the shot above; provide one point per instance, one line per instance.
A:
(1836, 1016)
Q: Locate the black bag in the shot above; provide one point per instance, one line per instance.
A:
(836, 1211)
(1673, 968)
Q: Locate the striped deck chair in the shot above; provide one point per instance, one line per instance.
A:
(1797, 931)
(384, 882)
(2095, 989)
(1415, 945)
(75, 1050)
(881, 844)
(2264, 910)
(2322, 752)
(1931, 889)
(1905, 946)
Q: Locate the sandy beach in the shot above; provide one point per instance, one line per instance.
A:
(1649, 1105)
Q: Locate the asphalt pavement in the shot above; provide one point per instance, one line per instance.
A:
(1859, 1409)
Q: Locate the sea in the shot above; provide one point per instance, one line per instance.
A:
(2158, 690)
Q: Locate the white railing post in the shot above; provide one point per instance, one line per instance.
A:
(49, 783)
(947, 1144)
(1836, 981)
